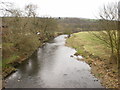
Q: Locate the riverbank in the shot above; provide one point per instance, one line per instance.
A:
(10, 65)
(97, 56)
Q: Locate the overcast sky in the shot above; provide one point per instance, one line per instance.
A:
(65, 8)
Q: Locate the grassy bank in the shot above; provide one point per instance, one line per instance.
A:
(13, 58)
(97, 55)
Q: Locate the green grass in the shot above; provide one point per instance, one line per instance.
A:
(7, 66)
(7, 44)
(8, 61)
(86, 41)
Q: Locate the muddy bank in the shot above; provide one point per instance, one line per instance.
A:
(106, 73)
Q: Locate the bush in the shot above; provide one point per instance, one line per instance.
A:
(27, 44)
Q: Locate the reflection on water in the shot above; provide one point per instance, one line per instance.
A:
(52, 67)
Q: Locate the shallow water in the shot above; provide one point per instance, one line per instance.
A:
(53, 67)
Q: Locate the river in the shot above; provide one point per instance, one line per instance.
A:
(53, 67)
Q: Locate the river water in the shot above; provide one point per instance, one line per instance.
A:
(53, 67)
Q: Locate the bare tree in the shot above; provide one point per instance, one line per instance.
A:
(110, 35)
(30, 10)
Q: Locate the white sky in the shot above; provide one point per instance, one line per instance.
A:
(65, 8)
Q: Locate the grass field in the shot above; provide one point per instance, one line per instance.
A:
(97, 55)
(86, 41)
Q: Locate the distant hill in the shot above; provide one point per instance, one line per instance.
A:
(79, 24)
